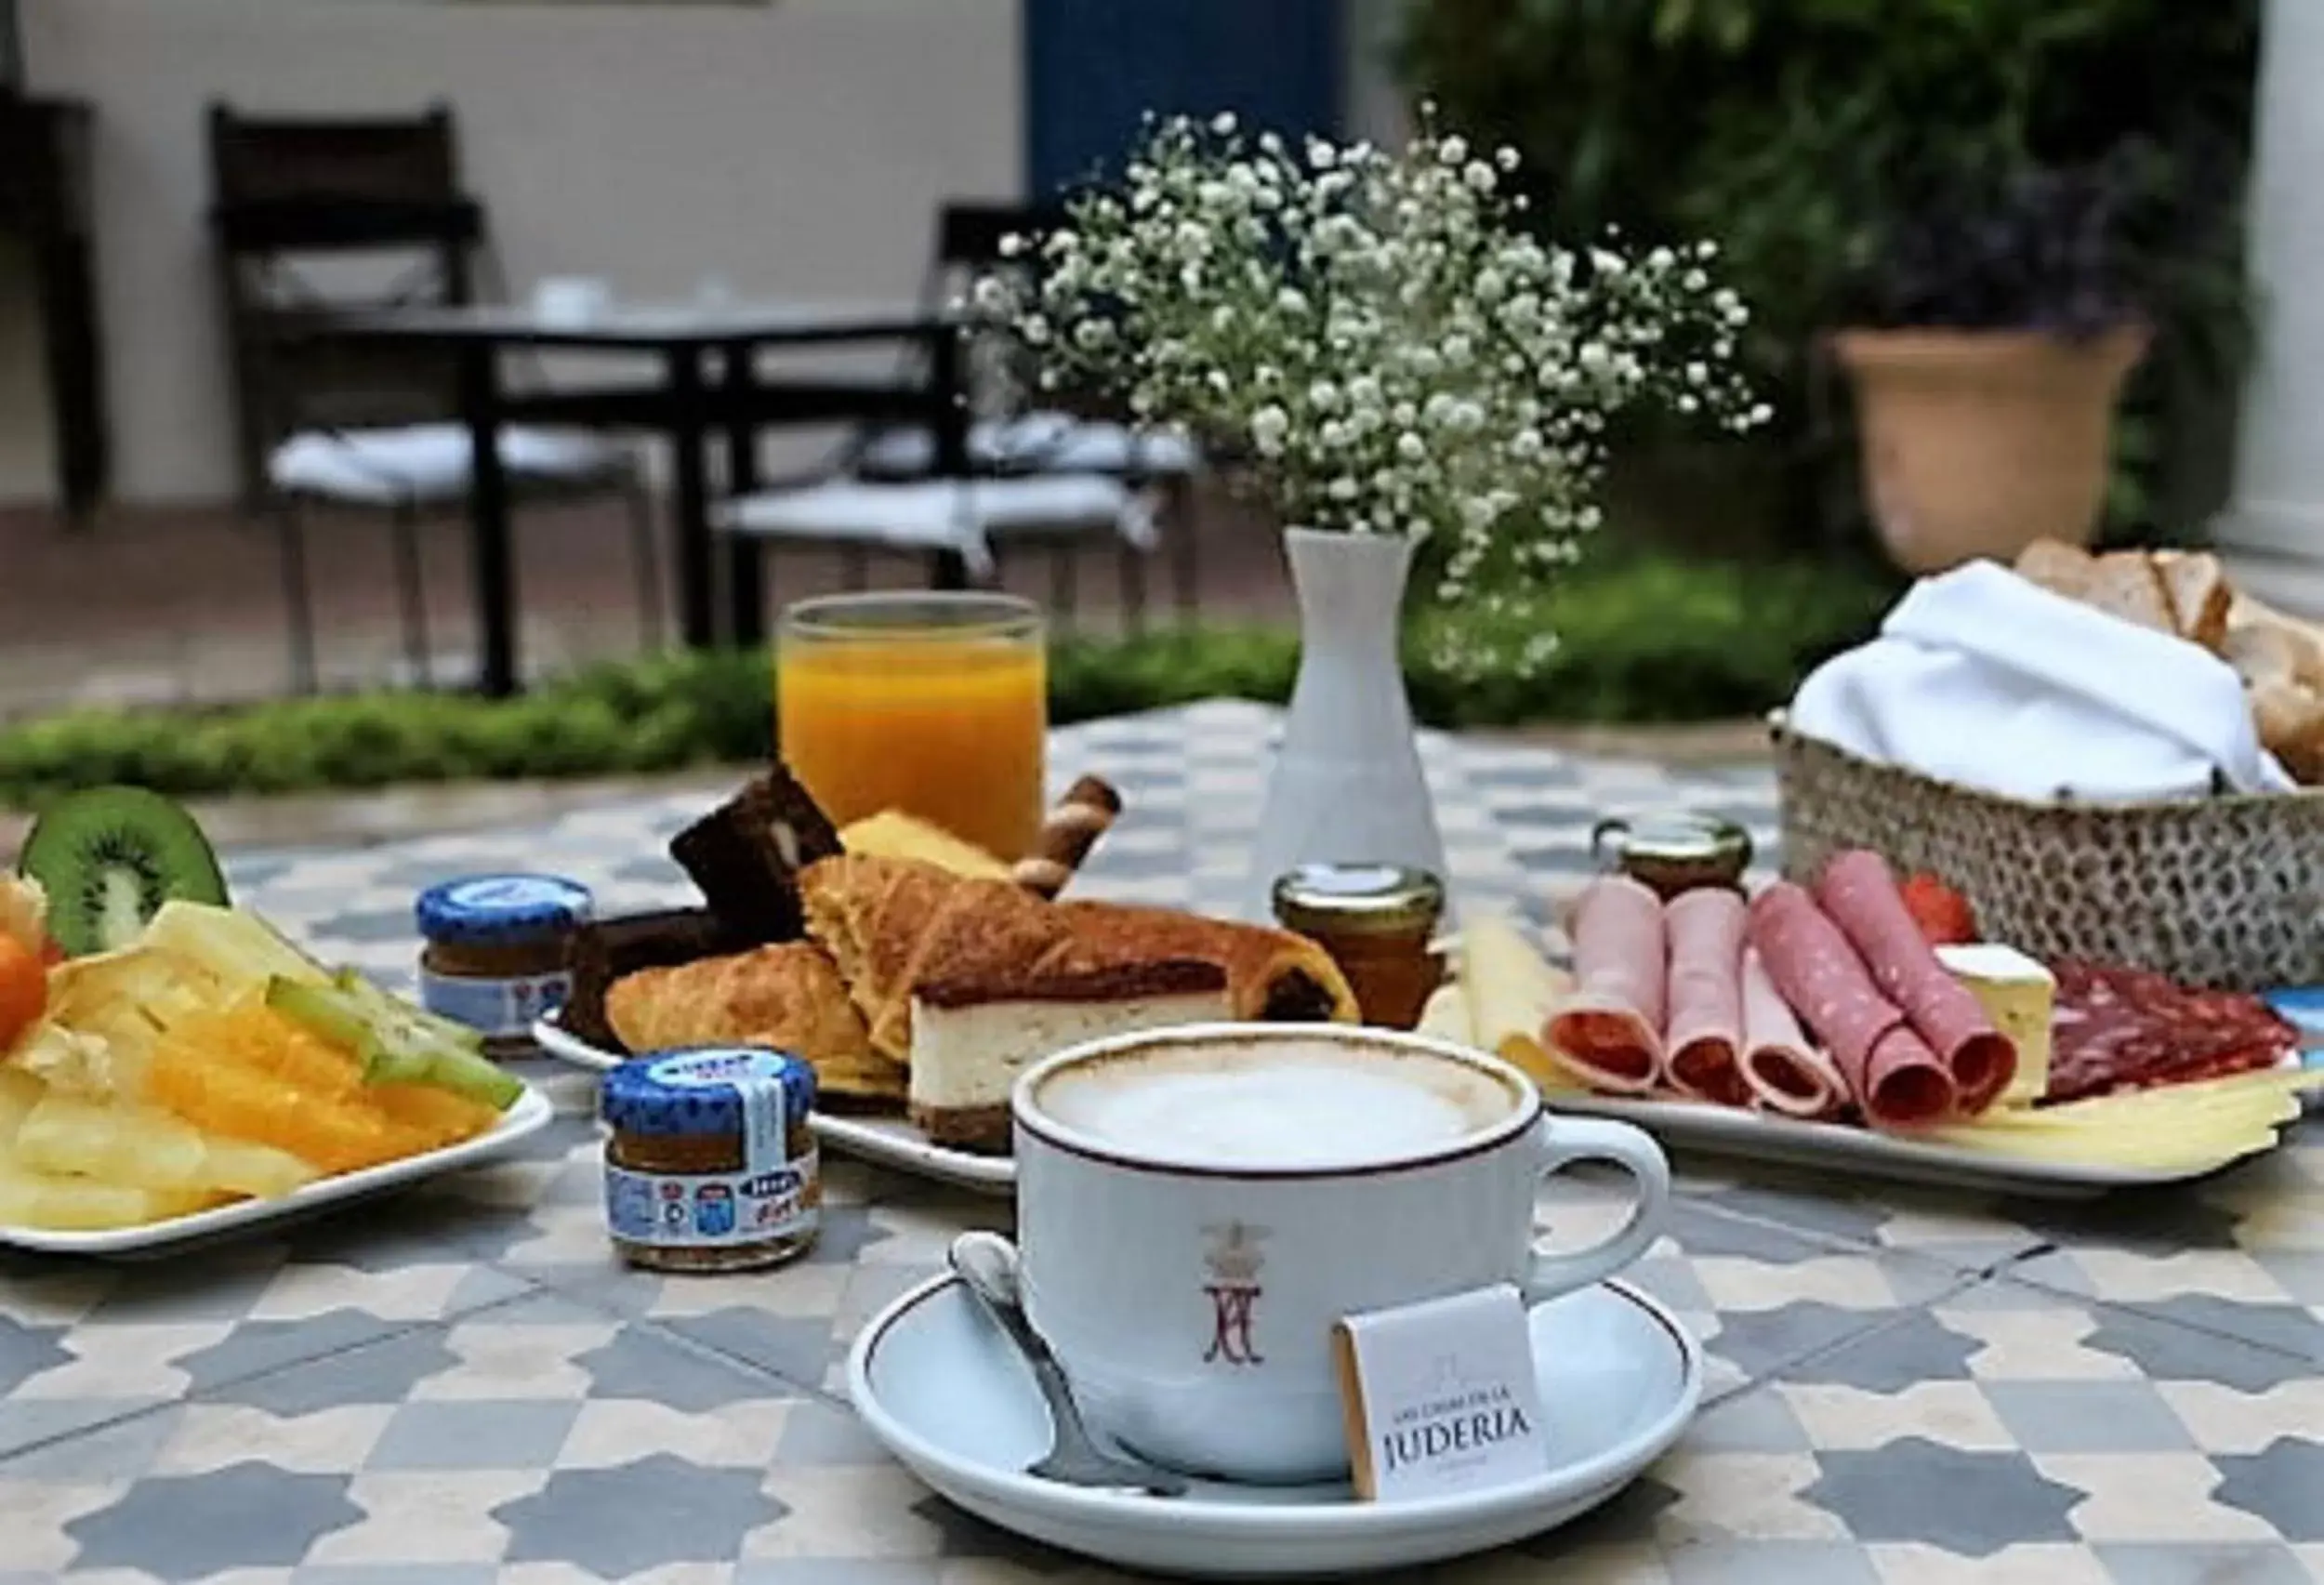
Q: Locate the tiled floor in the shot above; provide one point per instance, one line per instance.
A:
(157, 606)
(458, 1387)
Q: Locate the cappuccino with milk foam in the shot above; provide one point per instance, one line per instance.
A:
(1279, 1104)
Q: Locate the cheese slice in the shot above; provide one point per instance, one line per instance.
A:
(2020, 995)
(1512, 989)
(2184, 1128)
(1446, 1015)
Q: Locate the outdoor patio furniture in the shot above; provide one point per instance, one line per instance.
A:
(708, 385)
(313, 216)
(965, 518)
(876, 494)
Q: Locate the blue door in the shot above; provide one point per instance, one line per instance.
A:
(1093, 68)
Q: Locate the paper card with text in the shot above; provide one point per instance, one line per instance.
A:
(1441, 1396)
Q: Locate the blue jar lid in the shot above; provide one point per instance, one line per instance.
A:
(486, 909)
(698, 1090)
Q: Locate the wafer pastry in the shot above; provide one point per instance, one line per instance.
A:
(1083, 816)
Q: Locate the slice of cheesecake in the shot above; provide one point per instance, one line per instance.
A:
(971, 1038)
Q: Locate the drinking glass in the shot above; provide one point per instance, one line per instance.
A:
(933, 703)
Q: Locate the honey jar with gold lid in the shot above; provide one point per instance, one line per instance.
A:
(1377, 922)
(1674, 851)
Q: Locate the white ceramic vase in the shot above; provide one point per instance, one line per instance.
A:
(1347, 785)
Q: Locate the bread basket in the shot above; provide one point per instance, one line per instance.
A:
(2225, 891)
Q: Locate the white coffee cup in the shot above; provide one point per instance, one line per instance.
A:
(1196, 1206)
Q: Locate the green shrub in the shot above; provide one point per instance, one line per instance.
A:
(1797, 133)
(1643, 640)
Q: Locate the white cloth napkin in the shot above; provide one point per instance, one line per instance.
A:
(1984, 678)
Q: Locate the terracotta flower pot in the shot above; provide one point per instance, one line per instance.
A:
(1977, 442)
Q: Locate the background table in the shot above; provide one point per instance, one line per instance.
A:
(461, 1386)
(690, 401)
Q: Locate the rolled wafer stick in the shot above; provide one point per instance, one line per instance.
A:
(1072, 829)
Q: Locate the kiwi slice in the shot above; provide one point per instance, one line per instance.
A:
(394, 1013)
(108, 858)
(396, 1043)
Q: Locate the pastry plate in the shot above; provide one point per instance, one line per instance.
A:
(530, 1113)
(887, 1142)
(1686, 1125)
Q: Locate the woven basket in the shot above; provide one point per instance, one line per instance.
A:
(2225, 891)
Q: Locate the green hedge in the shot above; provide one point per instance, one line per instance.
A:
(1649, 642)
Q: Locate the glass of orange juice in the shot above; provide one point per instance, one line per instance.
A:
(933, 703)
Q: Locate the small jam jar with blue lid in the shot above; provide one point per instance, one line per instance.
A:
(710, 1159)
(496, 952)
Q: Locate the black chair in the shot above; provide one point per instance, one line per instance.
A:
(1062, 432)
(315, 217)
(1047, 477)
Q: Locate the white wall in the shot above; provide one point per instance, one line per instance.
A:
(2279, 507)
(796, 149)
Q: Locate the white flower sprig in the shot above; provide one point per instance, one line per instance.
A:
(1379, 333)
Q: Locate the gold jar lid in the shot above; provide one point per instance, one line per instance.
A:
(1672, 844)
(1364, 898)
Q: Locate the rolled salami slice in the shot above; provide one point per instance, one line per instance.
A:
(1860, 894)
(1609, 1030)
(1703, 1039)
(1890, 1071)
(1784, 1071)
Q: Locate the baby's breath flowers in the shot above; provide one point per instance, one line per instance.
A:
(1378, 335)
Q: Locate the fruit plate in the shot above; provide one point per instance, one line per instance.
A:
(530, 1114)
(887, 1141)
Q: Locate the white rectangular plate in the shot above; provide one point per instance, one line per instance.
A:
(528, 1116)
(889, 1141)
(1729, 1130)
(1724, 1131)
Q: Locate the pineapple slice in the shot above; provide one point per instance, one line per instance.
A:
(140, 1147)
(85, 1204)
(58, 1202)
(236, 952)
(20, 1092)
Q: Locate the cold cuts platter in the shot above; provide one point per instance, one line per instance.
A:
(1858, 1022)
(1762, 1136)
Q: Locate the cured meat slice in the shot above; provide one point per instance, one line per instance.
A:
(1703, 1040)
(1609, 1030)
(1891, 1072)
(1861, 896)
(2116, 1029)
(1784, 1070)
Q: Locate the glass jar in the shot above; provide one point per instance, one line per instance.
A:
(1377, 921)
(1676, 852)
(934, 705)
(710, 1159)
(496, 957)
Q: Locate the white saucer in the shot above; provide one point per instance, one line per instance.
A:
(938, 1384)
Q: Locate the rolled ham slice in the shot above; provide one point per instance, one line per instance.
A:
(1890, 1071)
(1609, 1030)
(1784, 1071)
(1861, 896)
(1703, 1040)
